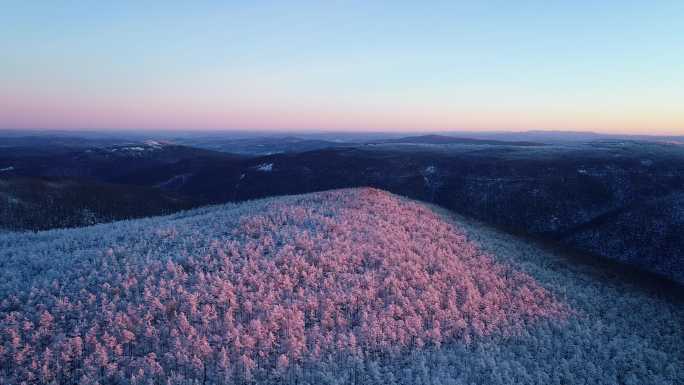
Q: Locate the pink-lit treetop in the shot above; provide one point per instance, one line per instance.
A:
(257, 288)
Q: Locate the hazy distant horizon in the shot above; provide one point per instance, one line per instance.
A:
(401, 131)
(245, 133)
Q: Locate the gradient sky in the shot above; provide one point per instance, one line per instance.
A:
(607, 66)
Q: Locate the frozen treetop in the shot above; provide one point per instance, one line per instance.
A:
(233, 291)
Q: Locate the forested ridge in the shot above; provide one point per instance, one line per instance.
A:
(346, 286)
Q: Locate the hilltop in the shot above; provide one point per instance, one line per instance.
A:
(343, 286)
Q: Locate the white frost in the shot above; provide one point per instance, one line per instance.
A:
(153, 143)
(266, 167)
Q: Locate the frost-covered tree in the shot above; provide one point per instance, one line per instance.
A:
(348, 286)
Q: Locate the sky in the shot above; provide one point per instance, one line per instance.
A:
(604, 66)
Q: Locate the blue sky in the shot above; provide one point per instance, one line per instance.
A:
(603, 66)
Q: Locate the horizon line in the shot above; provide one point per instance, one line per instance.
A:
(126, 130)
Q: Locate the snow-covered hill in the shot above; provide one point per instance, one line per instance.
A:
(347, 286)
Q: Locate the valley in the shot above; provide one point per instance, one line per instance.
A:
(618, 199)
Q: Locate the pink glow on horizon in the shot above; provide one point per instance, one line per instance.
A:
(24, 110)
(34, 107)
(63, 115)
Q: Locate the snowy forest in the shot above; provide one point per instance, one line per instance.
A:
(354, 286)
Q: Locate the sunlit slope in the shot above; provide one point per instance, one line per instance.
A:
(346, 286)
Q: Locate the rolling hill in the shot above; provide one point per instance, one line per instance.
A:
(344, 286)
(596, 197)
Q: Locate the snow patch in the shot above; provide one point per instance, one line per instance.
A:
(266, 167)
(10, 168)
(153, 143)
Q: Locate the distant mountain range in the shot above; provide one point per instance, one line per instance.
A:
(443, 139)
